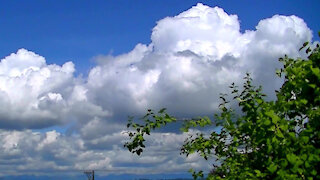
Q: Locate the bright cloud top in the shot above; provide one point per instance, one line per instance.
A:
(37, 95)
(192, 58)
(32, 92)
(203, 30)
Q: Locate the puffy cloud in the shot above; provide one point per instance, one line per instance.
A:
(203, 30)
(36, 95)
(192, 58)
(33, 93)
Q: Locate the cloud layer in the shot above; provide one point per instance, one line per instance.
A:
(192, 58)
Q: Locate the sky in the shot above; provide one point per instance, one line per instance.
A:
(71, 72)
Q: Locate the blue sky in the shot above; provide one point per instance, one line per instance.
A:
(72, 71)
(79, 30)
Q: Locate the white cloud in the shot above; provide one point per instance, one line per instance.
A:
(37, 95)
(192, 58)
(203, 30)
(32, 92)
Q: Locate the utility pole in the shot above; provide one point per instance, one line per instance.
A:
(90, 174)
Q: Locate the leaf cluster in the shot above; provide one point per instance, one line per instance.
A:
(277, 139)
(150, 121)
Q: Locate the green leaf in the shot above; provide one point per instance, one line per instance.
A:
(273, 116)
(304, 101)
(284, 163)
(258, 173)
(292, 135)
(267, 122)
(304, 157)
(272, 167)
(278, 72)
(308, 50)
(162, 110)
(140, 137)
(184, 129)
(291, 158)
(305, 139)
(304, 45)
(307, 164)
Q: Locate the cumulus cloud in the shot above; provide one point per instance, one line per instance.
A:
(203, 30)
(32, 93)
(37, 95)
(192, 58)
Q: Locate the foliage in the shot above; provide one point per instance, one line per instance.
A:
(151, 121)
(269, 139)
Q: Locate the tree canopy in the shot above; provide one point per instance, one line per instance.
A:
(276, 139)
